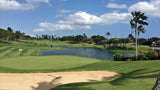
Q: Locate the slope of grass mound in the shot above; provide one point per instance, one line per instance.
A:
(9, 49)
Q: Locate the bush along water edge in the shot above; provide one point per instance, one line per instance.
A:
(149, 55)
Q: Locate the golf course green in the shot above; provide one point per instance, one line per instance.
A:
(136, 75)
(42, 63)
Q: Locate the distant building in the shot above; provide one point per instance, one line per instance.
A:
(156, 44)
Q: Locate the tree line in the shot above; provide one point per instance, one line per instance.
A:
(9, 34)
(100, 40)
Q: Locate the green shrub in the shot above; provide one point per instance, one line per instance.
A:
(117, 56)
(150, 54)
(141, 56)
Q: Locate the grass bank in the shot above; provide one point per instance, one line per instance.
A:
(130, 47)
(9, 49)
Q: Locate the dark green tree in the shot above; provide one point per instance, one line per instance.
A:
(97, 39)
(78, 38)
(107, 34)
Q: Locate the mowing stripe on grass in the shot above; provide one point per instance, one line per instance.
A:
(24, 51)
(14, 52)
(5, 48)
(2, 51)
(1, 47)
(28, 52)
(116, 66)
(6, 52)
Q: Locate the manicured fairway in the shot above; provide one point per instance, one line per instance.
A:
(55, 43)
(11, 49)
(130, 47)
(42, 63)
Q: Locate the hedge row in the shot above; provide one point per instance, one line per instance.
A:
(150, 55)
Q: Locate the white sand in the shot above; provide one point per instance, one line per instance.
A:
(46, 81)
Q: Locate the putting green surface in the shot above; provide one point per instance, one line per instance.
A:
(45, 62)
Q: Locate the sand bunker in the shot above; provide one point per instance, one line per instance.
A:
(46, 81)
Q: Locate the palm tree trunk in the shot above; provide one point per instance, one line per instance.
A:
(136, 41)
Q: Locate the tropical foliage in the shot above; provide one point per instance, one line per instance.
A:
(9, 34)
(149, 55)
(137, 23)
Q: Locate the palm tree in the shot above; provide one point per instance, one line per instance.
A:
(10, 33)
(141, 29)
(108, 34)
(137, 22)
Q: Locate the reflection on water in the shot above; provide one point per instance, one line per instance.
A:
(84, 52)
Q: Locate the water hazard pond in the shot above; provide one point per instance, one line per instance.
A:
(84, 52)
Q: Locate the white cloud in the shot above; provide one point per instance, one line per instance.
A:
(60, 15)
(83, 20)
(39, 30)
(35, 1)
(59, 26)
(64, 11)
(151, 8)
(115, 11)
(31, 35)
(64, 0)
(15, 5)
(114, 5)
(112, 18)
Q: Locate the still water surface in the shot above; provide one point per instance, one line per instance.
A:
(84, 52)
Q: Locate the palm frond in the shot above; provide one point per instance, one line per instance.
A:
(144, 17)
(142, 22)
(133, 25)
(137, 13)
(145, 23)
(141, 29)
(133, 14)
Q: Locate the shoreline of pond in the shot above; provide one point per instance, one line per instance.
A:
(89, 52)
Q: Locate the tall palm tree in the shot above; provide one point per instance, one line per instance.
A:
(141, 29)
(137, 22)
(107, 34)
(10, 33)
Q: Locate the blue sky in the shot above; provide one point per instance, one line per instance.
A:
(73, 17)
